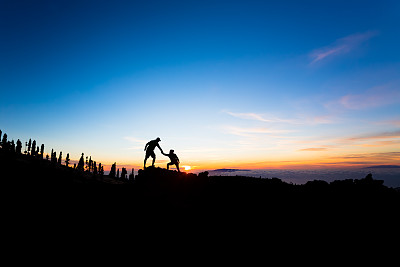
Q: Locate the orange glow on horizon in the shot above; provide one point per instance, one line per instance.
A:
(314, 161)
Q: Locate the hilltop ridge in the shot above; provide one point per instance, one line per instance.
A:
(158, 189)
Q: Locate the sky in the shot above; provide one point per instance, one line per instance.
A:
(226, 84)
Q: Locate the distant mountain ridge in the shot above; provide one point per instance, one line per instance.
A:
(383, 167)
(230, 170)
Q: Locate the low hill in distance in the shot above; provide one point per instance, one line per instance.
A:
(383, 167)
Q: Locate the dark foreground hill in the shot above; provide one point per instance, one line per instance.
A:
(160, 189)
(161, 204)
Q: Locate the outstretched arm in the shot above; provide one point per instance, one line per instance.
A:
(160, 149)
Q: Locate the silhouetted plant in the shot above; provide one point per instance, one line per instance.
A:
(101, 170)
(47, 157)
(19, 147)
(67, 160)
(123, 173)
(113, 170)
(0, 137)
(118, 173)
(94, 168)
(60, 158)
(33, 149)
(54, 157)
(132, 175)
(4, 141)
(29, 145)
(90, 164)
(12, 146)
(42, 150)
(87, 164)
(81, 164)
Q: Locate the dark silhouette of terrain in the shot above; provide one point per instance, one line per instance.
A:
(208, 198)
(158, 188)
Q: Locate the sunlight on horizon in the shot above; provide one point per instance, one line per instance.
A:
(186, 168)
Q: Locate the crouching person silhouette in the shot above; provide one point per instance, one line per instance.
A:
(149, 148)
(174, 159)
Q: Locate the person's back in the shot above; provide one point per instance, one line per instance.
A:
(152, 145)
(173, 157)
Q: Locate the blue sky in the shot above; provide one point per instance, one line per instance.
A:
(252, 84)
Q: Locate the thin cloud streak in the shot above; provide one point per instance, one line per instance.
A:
(382, 143)
(250, 131)
(383, 135)
(376, 97)
(255, 116)
(314, 149)
(377, 138)
(138, 143)
(341, 46)
(325, 119)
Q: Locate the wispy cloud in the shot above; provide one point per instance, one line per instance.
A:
(273, 119)
(376, 97)
(383, 135)
(382, 143)
(341, 46)
(385, 155)
(248, 132)
(395, 123)
(138, 143)
(314, 149)
(256, 116)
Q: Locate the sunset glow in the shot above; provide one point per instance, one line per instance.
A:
(225, 84)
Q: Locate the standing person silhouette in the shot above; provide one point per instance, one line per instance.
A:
(149, 148)
(174, 159)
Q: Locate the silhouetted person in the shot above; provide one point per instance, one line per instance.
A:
(174, 159)
(149, 148)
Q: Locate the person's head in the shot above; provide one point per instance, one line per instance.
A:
(171, 151)
(158, 139)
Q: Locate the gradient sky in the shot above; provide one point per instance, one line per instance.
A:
(227, 84)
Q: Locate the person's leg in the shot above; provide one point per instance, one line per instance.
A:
(153, 155)
(177, 166)
(145, 159)
(168, 165)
